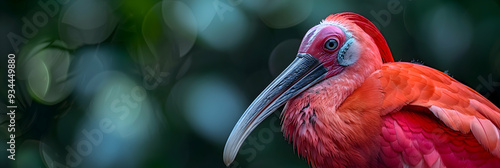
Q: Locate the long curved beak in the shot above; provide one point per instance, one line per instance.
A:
(302, 73)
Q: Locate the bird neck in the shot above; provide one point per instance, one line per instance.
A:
(337, 88)
(325, 132)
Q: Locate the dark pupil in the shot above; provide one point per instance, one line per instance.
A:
(331, 44)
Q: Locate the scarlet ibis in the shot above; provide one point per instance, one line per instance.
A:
(350, 105)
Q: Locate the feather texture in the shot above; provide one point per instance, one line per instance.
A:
(418, 139)
(456, 105)
(424, 119)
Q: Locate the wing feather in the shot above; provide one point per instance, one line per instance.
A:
(406, 142)
(456, 105)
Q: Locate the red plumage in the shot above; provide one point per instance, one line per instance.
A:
(401, 114)
(356, 107)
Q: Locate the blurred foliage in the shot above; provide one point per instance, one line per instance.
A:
(169, 79)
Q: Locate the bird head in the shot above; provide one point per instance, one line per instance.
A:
(344, 43)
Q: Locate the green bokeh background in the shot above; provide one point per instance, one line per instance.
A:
(173, 76)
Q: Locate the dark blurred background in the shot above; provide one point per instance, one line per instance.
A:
(123, 83)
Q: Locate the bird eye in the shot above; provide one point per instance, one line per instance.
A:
(331, 44)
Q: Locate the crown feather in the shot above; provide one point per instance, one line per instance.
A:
(370, 29)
